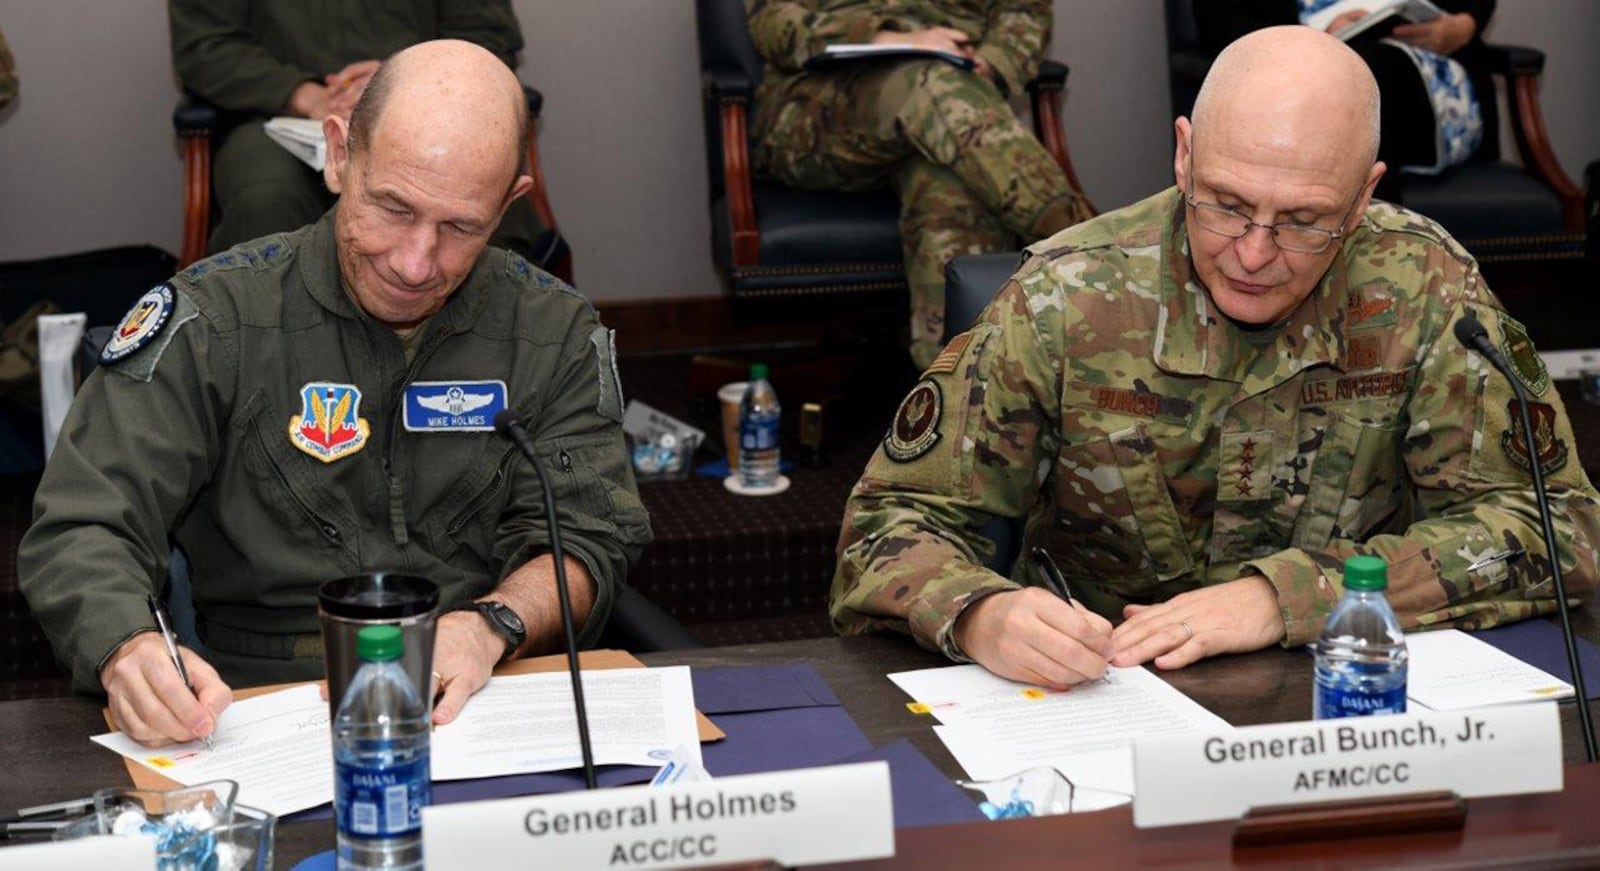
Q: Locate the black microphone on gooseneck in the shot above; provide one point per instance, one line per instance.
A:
(1472, 334)
(507, 425)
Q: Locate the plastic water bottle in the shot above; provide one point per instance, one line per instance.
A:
(758, 431)
(1361, 657)
(380, 758)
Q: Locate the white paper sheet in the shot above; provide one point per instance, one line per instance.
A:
(525, 723)
(1450, 670)
(996, 727)
(277, 747)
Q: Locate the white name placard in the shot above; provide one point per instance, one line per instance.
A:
(94, 853)
(801, 817)
(1488, 751)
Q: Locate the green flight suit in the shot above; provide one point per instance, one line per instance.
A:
(247, 56)
(970, 177)
(1154, 448)
(192, 439)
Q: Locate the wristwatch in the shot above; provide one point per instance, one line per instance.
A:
(501, 619)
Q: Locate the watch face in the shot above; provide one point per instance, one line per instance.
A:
(507, 621)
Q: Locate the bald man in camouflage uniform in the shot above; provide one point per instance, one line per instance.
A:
(1200, 426)
(970, 178)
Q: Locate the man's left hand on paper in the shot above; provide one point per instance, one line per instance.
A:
(1235, 617)
(465, 652)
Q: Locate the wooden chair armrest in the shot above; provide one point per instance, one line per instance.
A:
(1522, 67)
(194, 120)
(732, 95)
(1044, 92)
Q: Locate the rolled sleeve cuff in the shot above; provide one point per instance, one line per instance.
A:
(933, 622)
(1306, 593)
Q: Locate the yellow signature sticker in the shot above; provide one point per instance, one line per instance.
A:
(161, 762)
(1034, 693)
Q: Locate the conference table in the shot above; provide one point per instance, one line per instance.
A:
(51, 759)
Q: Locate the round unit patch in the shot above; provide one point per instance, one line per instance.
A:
(141, 324)
(916, 425)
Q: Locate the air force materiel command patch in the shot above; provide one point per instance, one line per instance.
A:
(141, 324)
(916, 425)
(328, 426)
(453, 406)
(1551, 450)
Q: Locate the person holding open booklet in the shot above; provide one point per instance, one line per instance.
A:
(1428, 57)
(931, 122)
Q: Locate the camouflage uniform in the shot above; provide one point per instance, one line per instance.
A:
(970, 178)
(1155, 448)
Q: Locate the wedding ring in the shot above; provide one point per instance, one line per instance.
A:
(1188, 633)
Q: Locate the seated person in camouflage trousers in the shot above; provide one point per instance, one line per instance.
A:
(318, 403)
(1204, 402)
(255, 59)
(970, 177)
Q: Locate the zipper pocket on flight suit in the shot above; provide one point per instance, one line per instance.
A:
(328, 530)
(496, 484)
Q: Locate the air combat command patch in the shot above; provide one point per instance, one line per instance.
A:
(1524, 359)
(916, 425)
(328, 426)
(1552, 451)
(140, 325)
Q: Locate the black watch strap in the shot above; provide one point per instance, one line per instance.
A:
(501, 619)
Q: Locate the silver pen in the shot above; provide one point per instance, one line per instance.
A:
(164, 624)
(1490, 559)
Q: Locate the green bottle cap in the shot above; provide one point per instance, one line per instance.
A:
(379, 643)
(1366, 573)
(758, 371)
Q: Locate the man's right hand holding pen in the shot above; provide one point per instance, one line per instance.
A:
(1036, 635)
(148, 698)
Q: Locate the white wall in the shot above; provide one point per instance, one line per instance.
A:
(87, 157)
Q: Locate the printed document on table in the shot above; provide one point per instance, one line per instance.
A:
(996, 727)
(1450, 670)
(521, 724)
(276, 746)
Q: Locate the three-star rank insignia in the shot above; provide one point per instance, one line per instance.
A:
(1524, 359)
(328, 426)
(916, 425)
(141, 324)
(1552, 451)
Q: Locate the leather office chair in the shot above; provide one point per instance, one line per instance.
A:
(1501, 212)
(770, 241)
(970, 283)
(195, 121)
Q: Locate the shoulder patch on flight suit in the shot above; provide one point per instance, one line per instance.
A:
(916, 424)
(142, 324)
(1524, 359)
(1552, 450)
(146, 330)
(605, 349)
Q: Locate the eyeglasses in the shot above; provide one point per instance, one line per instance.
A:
(1037, 792)
(1290, 236)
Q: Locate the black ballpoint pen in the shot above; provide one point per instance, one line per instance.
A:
(164, 624)
(1052, 575)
